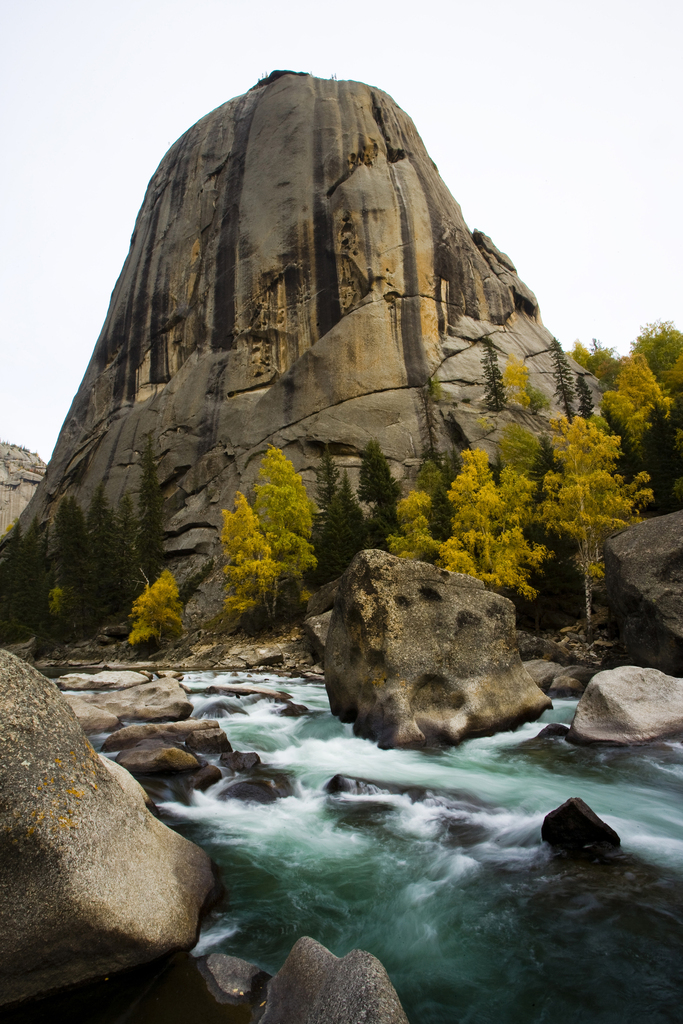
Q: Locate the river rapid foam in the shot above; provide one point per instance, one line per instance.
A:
(435, 865)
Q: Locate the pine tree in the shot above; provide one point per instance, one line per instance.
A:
(343, 534)
(494, 387)
(437, 473)
(565, 389)
(378, 489)
(150, 538)
(126, 575)
(662, 457)
(585, 396)
(30, 605)
(101, 524)
(73, 563)
(327, 481)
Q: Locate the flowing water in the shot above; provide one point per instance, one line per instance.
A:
(435, 865)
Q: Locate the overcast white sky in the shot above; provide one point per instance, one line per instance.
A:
(556, 124)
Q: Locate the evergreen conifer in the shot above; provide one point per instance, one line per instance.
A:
(494, 386)
(378, 489)
(150, 537)
(585, 396)
(101, 524)
(73, 560)
(662, 457)
(343, 533)
(565, 388)
(126, 575)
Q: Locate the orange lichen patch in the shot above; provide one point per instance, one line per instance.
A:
(76, 792)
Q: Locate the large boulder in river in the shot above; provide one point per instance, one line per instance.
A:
(91, 883)
(418, 656)
(629, 705)
(164, 700)
(644, 581)
(297, 274)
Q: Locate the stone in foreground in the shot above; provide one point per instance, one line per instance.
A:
(644, 581)
(91, 718)
(231, 980)
(151, 757)
(629, 705)
(417, 656)
(574, 825)
(315, 987)
(91, 882)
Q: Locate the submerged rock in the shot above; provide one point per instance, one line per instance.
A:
(231, 980)
(259, 791)
(644, 581)
(574, 825)
(91, 882)
(315, 987)
(555, 730)
(418, 656)
(240, 761)
(629, 705)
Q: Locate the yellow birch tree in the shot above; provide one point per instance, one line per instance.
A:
(156, 612)
(587, 500)
(415, 539)
(516, 381)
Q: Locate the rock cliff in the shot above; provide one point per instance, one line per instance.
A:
(20, 473)
(297, 274)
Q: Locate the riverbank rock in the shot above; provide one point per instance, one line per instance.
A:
(123, 680)
(533, 647)
(316, 628)
(315, 987)
(574, 825)
(629, 705)
(92, 719)
(179, 732)
(158, 701)
(418, 656)
(91, 883)
(644, 582)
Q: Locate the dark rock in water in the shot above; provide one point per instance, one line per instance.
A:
(206, 776)
(284, 285)
(74, 826)
(644, 581)
(260, 791)
(574, 825)
(359, 787)
(291, 710)
(208, 741)
(174, 732)
(323, 600)
(417, 656)
(231, 980)
(239, 761)
(239, 690)
(316, 987)
(151, 757)
(553, 731)
(629, 705)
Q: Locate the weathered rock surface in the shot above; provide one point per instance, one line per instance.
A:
(316, 628)
(644, 581)
(179, 732)
(207, 776)
(150, 757)
(240, 760)
(629, 705)
(315, 987)
(91, 883)
(92, 719)
(123, 680)
(417, 656)
(534, 648)
(297, 274)
(574, 825)
(542, 672)
(231, 980)
(323, 599)
(161, 700)
(20, 473)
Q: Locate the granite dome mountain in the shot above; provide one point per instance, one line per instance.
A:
(297, 274)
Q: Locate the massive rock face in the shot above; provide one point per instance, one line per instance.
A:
(20, 473)
(297, 274)
(91, 883)
(417, 656)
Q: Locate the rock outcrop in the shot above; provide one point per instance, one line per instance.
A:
(644, 581)
(629, 705)
(418, 656)
(91, 882)
(315, 987)
(20, 473)
(297, 274)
